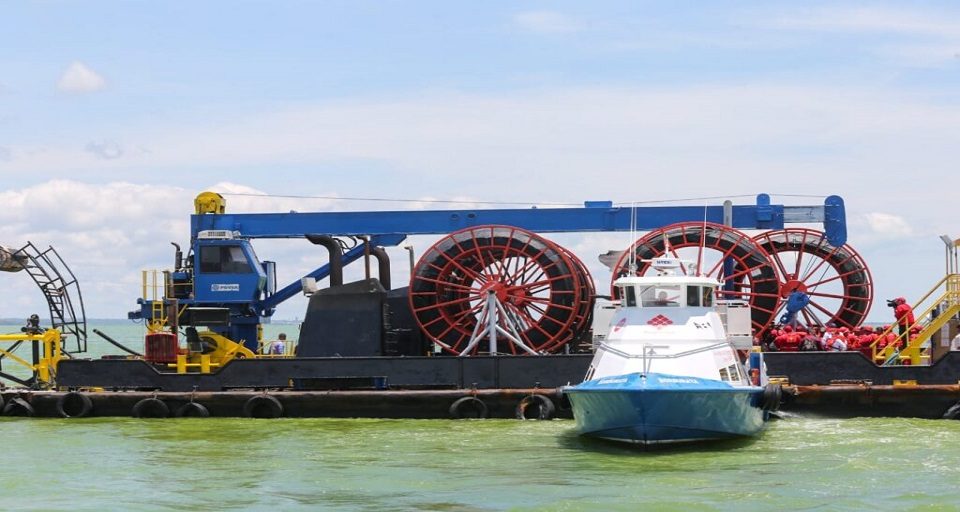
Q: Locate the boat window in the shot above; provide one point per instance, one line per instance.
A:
(731, 373)
(223, 259)
(707, 296)
(693, 296)
(631, 296)
(724, 375)
(734, 374)
(660, 296)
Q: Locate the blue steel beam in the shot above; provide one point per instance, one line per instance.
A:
(599, 216)
(835, 221)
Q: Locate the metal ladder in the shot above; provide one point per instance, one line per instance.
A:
(58, 284)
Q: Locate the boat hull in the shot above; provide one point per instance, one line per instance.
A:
(657, 408)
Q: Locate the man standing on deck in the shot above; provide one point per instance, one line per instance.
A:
(279, 347)
(904, 315)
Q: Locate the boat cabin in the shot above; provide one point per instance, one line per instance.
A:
(666, 292)
(668, 288)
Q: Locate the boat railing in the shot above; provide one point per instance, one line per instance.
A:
(647, 351)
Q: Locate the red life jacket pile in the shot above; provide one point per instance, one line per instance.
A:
(788, 339)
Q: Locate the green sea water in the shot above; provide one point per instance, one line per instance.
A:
(476, 465)
(799, 463)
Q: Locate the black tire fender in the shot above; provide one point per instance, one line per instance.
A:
(18, 407)
(772, 396)
(151, 408)
(74, 405)
(535, 407)
(262, 406)
(953, 412)
(468, 407)
(192, 410)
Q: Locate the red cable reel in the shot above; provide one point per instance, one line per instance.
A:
(836, 279)
(505, 280)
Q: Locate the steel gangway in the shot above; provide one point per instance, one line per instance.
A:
(60, 288)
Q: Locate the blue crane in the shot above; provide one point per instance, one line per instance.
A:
(222, 273)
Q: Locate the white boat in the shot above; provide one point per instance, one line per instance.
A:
(667, 371)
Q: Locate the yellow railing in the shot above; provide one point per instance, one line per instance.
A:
(155, 292)
(206, 364)
(158, 289)
(935, 309)
(154, 285)
(50, 354)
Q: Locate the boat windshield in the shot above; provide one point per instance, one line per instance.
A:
(660, 296)
(699, 296)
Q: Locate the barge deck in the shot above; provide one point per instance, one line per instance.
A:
(930, 401)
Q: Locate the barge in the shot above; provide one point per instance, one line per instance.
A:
(496, 318)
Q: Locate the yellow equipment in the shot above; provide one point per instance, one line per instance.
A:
(50, 354)
(211, 351)
(210, 202)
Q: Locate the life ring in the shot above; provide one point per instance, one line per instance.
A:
(535, 407)
(18, 407)
(262, 406)
(74, 405)
(953, 412)
(468, 407)
(151, 408)
(772, 395)
(192, 410)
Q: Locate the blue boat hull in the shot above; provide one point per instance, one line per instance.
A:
(657, 408)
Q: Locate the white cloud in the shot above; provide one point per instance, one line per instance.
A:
(887, 225)
(862, 19)
(108, 233)
(917, 38)
(925, 55)
(78, 78)
(107, 149)
(548, 22)
(882, 150)
(245, 199)
(508, 144)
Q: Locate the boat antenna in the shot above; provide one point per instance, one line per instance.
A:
(703, 241)
(632, 257)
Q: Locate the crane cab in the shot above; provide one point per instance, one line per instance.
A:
(227, 270)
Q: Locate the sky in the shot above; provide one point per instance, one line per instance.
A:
(114, 115)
